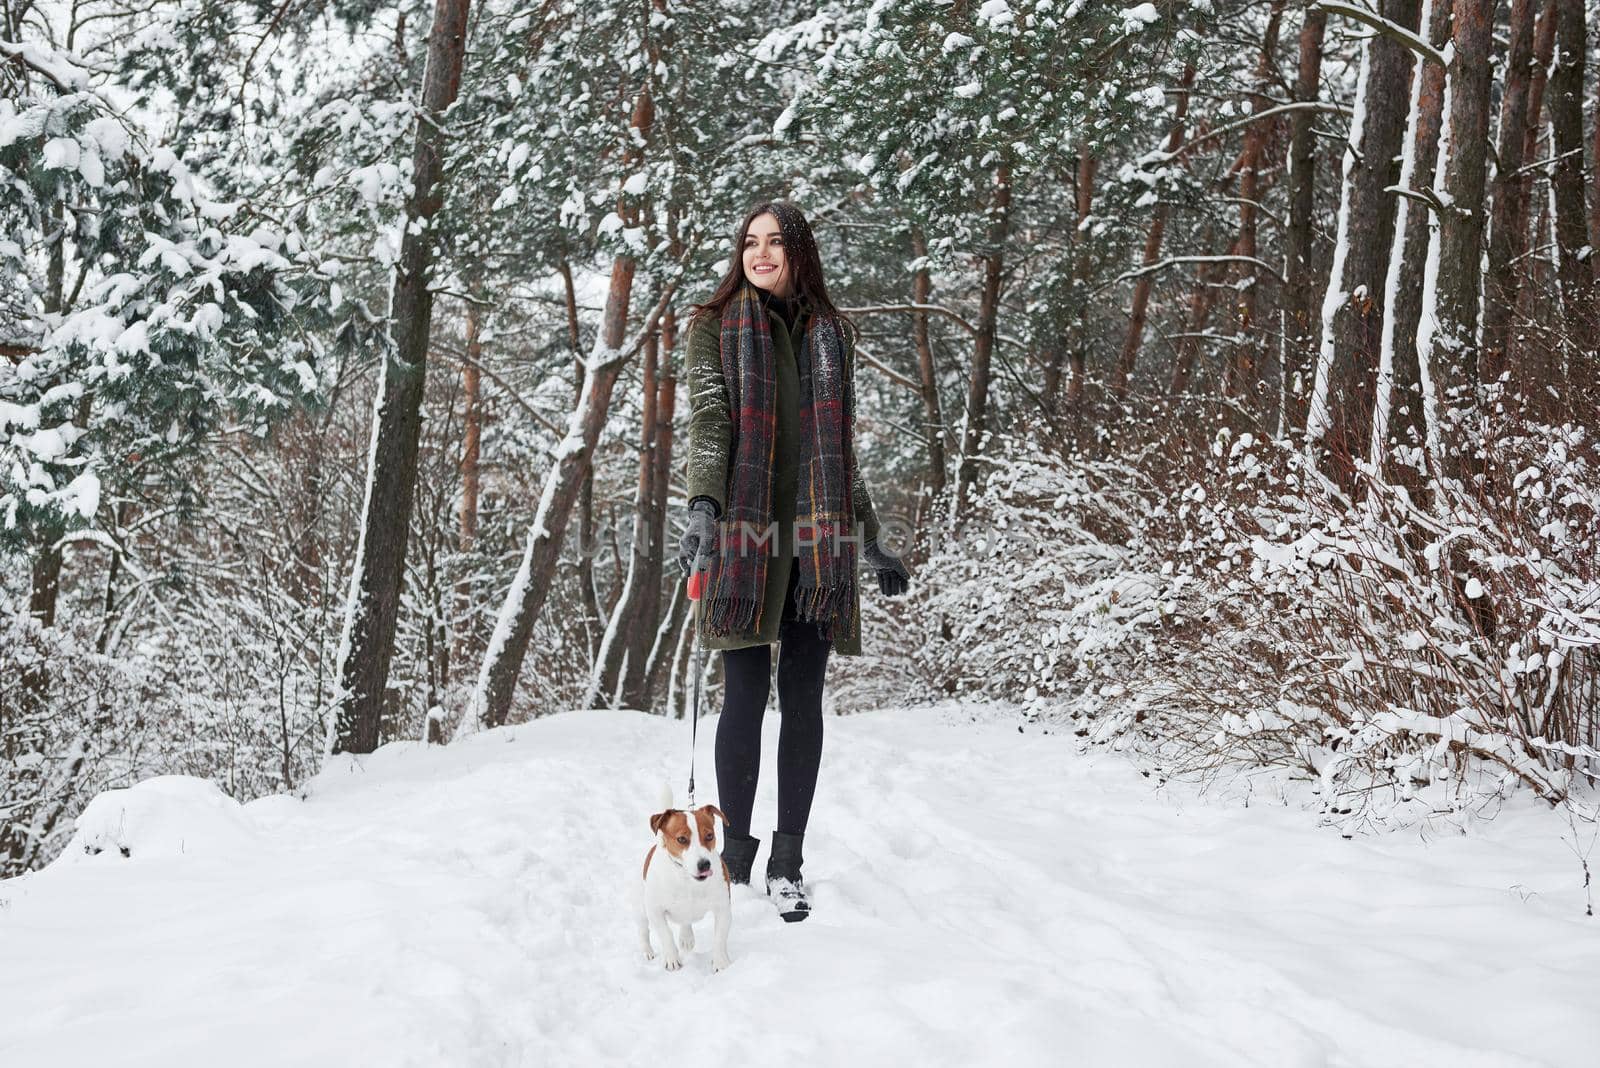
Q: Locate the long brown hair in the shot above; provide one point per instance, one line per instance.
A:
(799, 252)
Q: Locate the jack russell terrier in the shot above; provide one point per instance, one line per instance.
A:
(685, 878)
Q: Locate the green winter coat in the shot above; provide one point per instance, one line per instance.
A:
(710, 453)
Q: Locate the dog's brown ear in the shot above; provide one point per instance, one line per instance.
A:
(715, 811)
(659, 820)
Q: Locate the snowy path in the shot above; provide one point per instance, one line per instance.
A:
(982, 897)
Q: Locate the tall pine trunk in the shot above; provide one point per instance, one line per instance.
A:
(367, 644)
(1574, 268)
(1241, 373)
(524, 601)
(1139, 310)
(1450, 330)
(640, 693)
(1300, 308)
(1078, 340)
(927, 372)
(1398, 406)
(972, 438)
(1339, 421)
(1508, 225)
(631, 628)
(471, 450)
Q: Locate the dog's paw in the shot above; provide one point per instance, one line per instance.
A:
(686, 938)
(719, 962)
(649, 954)
(674, 962)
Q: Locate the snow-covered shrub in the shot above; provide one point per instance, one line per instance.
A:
(165, 816)
(70, 720)
(1409, 653)
(1413, 655)
(1049, 589)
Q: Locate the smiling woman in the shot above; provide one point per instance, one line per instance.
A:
(772, 455)
(764, 261)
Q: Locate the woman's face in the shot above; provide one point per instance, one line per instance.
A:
(764, 261)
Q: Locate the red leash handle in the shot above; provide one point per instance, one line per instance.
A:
(697, 584)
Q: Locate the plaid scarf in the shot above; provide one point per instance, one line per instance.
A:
(736, 583)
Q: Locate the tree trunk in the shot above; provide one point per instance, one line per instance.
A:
(1139, 311)
(1299, 237)
(471, 449)
(1452, 350)
(933, 416)
(1241, 374)
(1508, 226)
(1201, 300)
(370, 617)
(972, 438)
(666, 405)
(1594, 191)
(472, 430)
(1398, 407)
(1340, 415)
(631, 628)
(1078, 345)
(491, 700)
(1526, 362)
(1565, 103)
(587, 544)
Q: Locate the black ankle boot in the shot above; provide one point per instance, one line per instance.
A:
(784, 884)
(739, 854)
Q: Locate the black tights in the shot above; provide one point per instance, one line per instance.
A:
(747, 672)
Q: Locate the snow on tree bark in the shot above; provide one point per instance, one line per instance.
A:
(1397, 409)
(1340, 417)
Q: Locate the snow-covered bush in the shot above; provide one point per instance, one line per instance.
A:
(1415, 651)
(164, 816)
(1049, 590)
(56, 753)
(1409, 654)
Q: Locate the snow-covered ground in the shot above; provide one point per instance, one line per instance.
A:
(983, 895)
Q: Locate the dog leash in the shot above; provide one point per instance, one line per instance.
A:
(697, 587)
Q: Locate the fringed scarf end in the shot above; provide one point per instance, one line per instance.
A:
(732, 615)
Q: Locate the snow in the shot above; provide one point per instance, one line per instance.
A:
(984, 894)
(998, 13)
(81, 497)
(60, 154)
(167, 816)
(1138, 17)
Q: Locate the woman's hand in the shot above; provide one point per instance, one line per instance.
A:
(893, 578)
(700, 538)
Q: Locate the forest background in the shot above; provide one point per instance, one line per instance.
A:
(1229, 368)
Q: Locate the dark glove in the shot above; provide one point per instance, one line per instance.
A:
(893, 578)
(699, 539)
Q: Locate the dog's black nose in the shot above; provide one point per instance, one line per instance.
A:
(705, 864)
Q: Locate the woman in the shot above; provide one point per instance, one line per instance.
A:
(770, 367)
